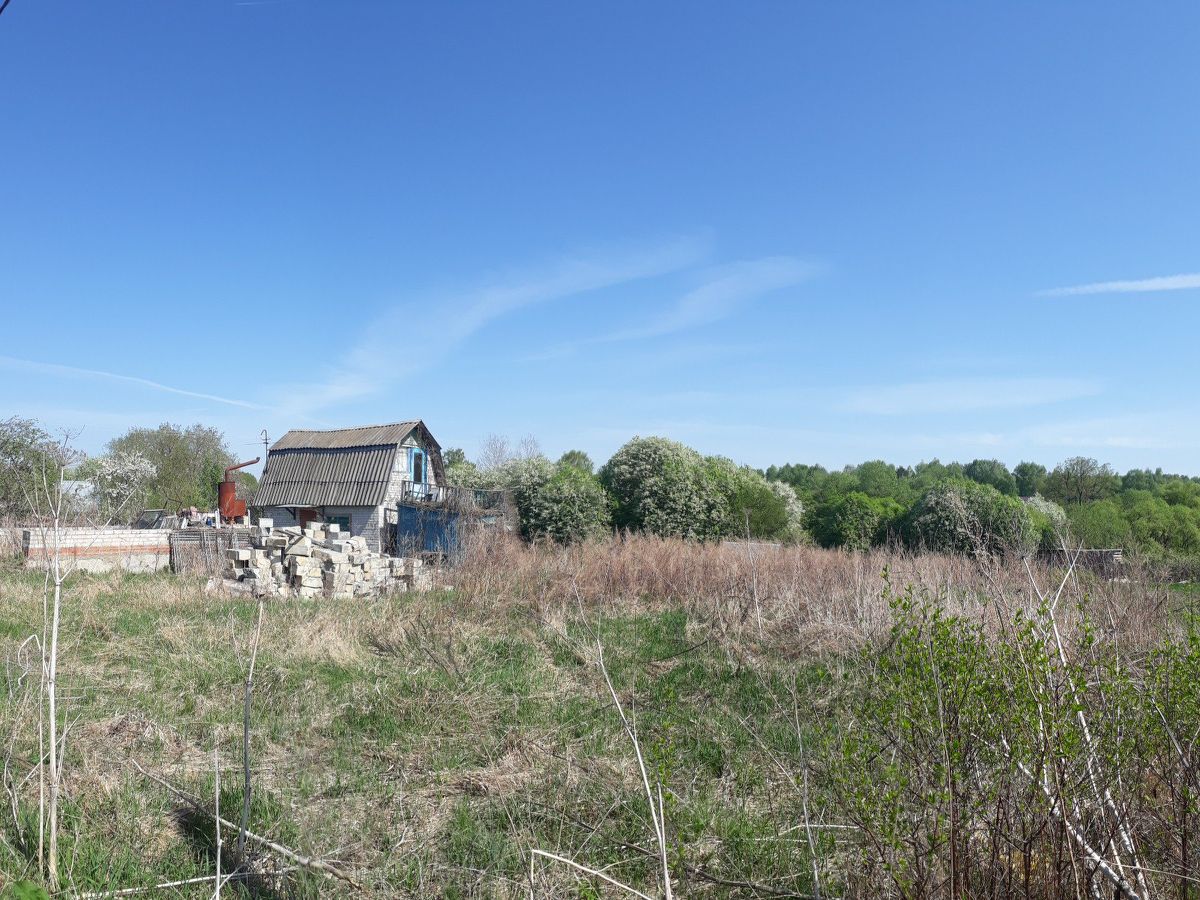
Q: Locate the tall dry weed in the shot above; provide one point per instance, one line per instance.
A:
(810, 600)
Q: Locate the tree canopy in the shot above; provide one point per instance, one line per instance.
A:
(188, 463)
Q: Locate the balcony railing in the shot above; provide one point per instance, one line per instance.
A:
(444, 494)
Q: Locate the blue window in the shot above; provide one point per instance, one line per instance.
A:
(416, 465)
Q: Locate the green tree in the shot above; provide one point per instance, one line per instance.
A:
(524, 478)
(1030, 477)
(658, 485)
(807, 481)
(877, 478)
(188, 463)
(965, 516)
(1181, 493)
(461, 472)
(27, 454)
(1101, 524)
(747, 503)
(578, 459)
(1079, 480)
(1140, 480)
(453, 456)
(993, 472)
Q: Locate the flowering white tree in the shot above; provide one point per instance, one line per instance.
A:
(121, 480)
(794, 507)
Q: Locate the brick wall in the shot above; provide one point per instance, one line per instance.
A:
(101, 549)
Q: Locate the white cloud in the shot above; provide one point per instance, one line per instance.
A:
(56, 369)
(1139, 286)
(724, 291)
(965, 395)
(414, 335)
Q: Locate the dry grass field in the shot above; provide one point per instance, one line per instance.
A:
(821, 724)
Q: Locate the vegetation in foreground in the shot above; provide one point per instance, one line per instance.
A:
(816, 728)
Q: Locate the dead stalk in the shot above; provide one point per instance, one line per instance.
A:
(656, 807)
(245, 823)
(305, 862)
(593, 872)
(217, 818)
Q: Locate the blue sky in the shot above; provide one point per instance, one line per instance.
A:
(777, 231)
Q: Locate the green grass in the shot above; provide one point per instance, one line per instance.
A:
(423, 742)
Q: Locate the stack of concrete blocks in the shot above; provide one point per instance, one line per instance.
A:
(318, 560)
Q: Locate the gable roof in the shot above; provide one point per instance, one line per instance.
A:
(352, 477)
(342, 467)
(341, 438)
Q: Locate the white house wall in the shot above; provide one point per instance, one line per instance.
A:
(365, 520)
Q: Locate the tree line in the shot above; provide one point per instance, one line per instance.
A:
(168, 467)
(1150, 511)
(651, 484)
(663, 487)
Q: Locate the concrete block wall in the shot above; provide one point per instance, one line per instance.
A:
(101, 549)
(364, 520)
(281, 516)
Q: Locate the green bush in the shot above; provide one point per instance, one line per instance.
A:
(854, 520)
(660, 486)
(746, 501)
(993, 472)
(967, 517)
(570, 506)
(1049, 521)
(1099, 524)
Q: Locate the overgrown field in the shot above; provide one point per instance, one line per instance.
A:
(821, 723)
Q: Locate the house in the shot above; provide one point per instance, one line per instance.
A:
(355, 477)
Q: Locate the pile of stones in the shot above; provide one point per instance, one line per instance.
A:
(319, 560)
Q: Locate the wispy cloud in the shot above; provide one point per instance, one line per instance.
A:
(723, 290)
(966, 395)
(381, 357)
(1137, 286)
(55, 369)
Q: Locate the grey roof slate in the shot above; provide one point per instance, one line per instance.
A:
(342, 467)
(338, 438)
(326, 477)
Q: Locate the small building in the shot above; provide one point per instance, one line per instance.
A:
(355, 477)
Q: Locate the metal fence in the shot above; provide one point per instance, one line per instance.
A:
(201, 551)
(476, 498)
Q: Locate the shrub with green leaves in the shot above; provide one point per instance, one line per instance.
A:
(854, 521)
(747, 505)
(1049, 521)
(967, 517)
(660, 486)
(570, 506)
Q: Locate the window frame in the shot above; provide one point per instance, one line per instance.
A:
(415, 453)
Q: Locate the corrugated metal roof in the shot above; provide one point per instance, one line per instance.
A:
(353, 476)
(340, 438)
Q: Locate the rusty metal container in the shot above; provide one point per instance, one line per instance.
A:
(228, 503)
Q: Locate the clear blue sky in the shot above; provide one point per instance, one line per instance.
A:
(821, 232)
